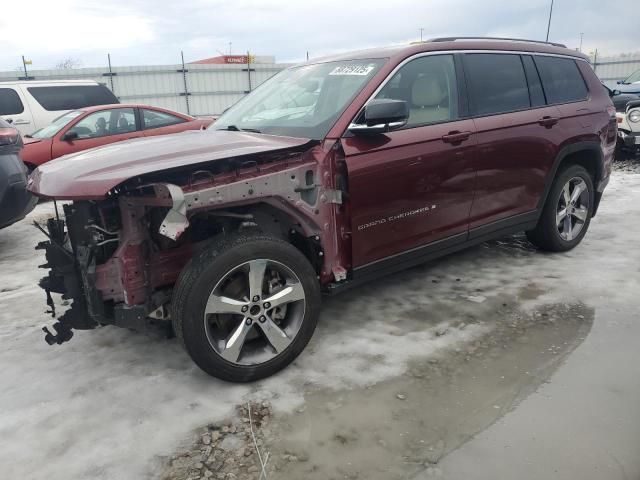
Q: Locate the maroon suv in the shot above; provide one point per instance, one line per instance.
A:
(328, 175)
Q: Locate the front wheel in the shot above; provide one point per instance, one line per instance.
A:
(567, 212)
(246, 306)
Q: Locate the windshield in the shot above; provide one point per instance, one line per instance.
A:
(634, 77)
(57, 125)
(302, 101)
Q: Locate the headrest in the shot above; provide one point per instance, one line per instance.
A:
(426, 91)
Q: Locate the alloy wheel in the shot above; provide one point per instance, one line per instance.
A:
(254, 312)
(572, 208)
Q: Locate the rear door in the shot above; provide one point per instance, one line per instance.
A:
(15, 110)
(518, 138)
(96, 129)
(157, 122)
(414, 186)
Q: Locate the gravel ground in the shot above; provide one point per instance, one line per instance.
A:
(399, 374)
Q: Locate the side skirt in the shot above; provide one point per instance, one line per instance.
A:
(434, 250)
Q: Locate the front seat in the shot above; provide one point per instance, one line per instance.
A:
(429, 102)
(123, 125)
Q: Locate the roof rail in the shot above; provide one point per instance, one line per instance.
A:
(452, 39)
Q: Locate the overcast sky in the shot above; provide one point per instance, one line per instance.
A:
(152, 32)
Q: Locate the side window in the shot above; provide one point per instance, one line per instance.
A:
(561, 79)
(10, 103)
(155, 119)
(428, 85)
(72, 97)
(496, 83)
(106, 122)
(533, 79)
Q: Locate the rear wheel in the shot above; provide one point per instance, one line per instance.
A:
(246, 307)
(567, 212)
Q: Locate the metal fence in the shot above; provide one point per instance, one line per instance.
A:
(196, 89)
(612, 69)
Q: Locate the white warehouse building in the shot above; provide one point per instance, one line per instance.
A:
(204, 87)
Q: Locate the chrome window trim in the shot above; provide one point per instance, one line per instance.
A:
(451, 52)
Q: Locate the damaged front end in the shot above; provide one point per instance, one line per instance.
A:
(71, 274)
(96, 261)
(116, 258)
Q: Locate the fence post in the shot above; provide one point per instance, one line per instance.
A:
(249, 68)
(110, 73)
(184, 79)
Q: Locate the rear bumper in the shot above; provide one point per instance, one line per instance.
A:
(15, 200)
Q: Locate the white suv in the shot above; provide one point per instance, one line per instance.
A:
(31, 105)
(629, 127)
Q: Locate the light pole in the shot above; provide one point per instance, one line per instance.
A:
(581, 35)
(549, 24)
(421, 30)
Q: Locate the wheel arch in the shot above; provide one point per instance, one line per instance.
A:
(278, 220)
(587, 154)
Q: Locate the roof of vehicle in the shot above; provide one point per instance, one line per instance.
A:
(50, 82)
(398, 52)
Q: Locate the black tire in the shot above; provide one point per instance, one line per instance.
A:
(620, 153)
(546, 234)
(206, 269)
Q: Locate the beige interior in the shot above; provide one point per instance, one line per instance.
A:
(429, 102)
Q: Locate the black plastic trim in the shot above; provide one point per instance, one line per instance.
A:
(434, 250)
(583, 146)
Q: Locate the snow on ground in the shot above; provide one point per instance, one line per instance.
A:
(110, 402)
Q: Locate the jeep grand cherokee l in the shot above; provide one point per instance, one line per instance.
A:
(330, 174)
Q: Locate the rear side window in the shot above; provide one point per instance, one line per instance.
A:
(156, 119)
(10, 103)
(496, 83)
(561, 79)
(72, 97)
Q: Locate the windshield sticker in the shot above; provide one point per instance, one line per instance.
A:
(352, 70)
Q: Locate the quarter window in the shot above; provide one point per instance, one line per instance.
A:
(156, 119)
(496, 83)
(561, 79)
(72, 97)
(10, 103)
(106, 122)
(428, 85)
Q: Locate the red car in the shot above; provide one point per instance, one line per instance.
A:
(91, 127)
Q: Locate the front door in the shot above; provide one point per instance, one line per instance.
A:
(97, 129)
(413, 186)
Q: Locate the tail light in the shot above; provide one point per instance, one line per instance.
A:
(9, 136)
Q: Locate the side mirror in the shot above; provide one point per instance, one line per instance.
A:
(615, 92)
(381, 116)
(70, 136)
(620, 82)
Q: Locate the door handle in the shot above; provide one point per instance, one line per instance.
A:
(548, 121)
(20, 121)
(456, 137)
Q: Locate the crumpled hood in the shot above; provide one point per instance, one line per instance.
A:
(92, 173)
